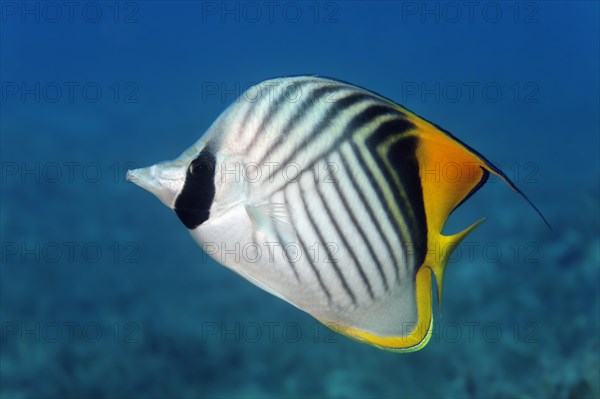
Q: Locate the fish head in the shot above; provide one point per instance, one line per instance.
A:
(185, 184)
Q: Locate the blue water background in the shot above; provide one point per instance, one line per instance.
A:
(136, 310)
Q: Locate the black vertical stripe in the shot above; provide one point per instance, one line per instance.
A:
(305, 251)
(276, 106)
(248, 114)
(402, 155)
(369, 115)
(390, 216)
(356, 123)
(358, 225)
(396, 126)
(302, 110)
(322, 241)
(334, 110)
(371, 213)
(345, 242)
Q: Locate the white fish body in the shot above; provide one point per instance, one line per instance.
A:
(313, 190)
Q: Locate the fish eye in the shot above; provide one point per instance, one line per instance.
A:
(203, 164)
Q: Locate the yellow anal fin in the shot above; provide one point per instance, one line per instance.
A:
(418, 335)
(439, 252)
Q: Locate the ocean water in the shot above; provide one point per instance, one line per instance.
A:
(104, 294)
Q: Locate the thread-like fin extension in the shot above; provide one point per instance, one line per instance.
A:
(492, 168)
(444, 146)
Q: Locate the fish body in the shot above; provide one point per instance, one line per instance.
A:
(330, 197)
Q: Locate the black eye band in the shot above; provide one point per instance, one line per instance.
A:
(194, 202)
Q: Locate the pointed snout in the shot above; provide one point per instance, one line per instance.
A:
(146, 178)
(165, 180)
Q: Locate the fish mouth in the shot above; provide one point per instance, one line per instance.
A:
(132, 176)
(142, 177)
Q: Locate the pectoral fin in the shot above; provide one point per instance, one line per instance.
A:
(273, 220)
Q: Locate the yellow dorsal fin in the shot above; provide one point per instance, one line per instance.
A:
(450, 173)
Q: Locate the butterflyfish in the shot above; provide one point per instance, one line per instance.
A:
(330, 197)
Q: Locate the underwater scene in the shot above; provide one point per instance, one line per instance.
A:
(104, 293)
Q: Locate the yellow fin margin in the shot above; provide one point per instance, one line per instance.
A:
(420, 333)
